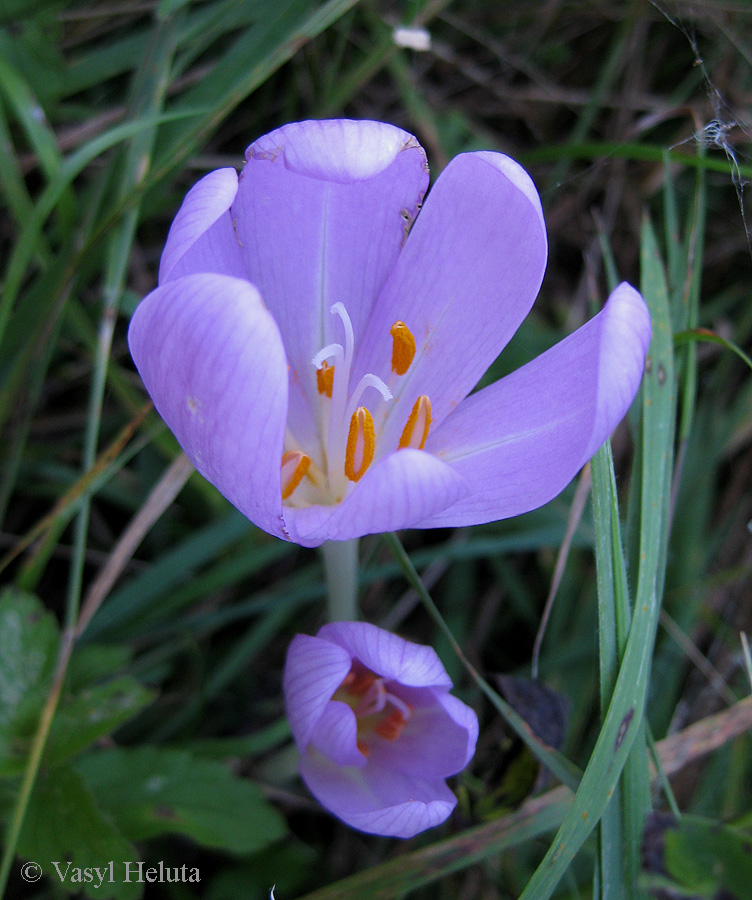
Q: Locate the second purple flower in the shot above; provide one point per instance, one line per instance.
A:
(377, 729)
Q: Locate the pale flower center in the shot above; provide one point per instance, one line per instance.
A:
(346, 424)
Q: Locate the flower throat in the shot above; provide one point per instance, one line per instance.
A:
(346, 424)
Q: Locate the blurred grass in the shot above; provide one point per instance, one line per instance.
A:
(109, 112)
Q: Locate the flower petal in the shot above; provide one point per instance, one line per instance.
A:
(466, 278)
(465, 717)
(388, 655)
(336, 735)
(521, 440)
(406, 487)
(437, 741)
(338, 150)
(212, 360)
(201, 237)
(321, 213)
(314, 669)
(377, 800)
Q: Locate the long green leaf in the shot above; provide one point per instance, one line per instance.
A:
(623, 722)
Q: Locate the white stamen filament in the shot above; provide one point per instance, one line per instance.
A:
(339, 310)
(331, 350)
(336, 412)
(368, 380)
(377, 697)
(403, 707)
(335, 450)
(374, 699)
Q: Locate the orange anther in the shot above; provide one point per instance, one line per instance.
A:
(391, 727)
(361, 442)
(363, 748)
(418, 423)
(360, 683)
(295, 464)
(325, 379)
(403, 347)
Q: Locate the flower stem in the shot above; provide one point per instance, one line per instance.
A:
(341, 570)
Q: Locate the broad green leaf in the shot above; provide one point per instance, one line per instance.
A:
(706, 858)
(249, 745)
(29, 641)
(95, 662)
(63, 824)
(92, 713)
(153, 790)
(14, 10)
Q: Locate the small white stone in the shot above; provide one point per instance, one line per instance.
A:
(412, 38)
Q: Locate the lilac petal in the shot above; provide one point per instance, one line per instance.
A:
(314, 669)
(344, 151)
(388, 655)
(212, 360)
(377, 800)
(321, 214)
(406, 487)
(436, 742)
(201, 237)
(466, 278)
(336, 735)
(465, 717)
(520, 441)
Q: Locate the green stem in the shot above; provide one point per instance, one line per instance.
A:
(341, 570)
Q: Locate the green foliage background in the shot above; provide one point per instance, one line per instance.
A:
(144, 622)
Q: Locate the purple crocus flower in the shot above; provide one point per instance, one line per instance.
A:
(376, 726)
(314, 359)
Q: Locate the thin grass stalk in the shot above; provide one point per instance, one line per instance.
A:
(35, 759)
(556, 762)
(149, 92)
(590, 151)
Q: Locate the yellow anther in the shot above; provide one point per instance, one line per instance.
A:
(325, 379)
(295, 464)
(361, 442)
(416, 430)
(403, 347)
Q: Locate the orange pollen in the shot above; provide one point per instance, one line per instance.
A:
(403, 347)
(363, 748)
(358, 683)
(325, 379)
(361, 442)
(391, 727)
(416, 430)
(294, 466)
